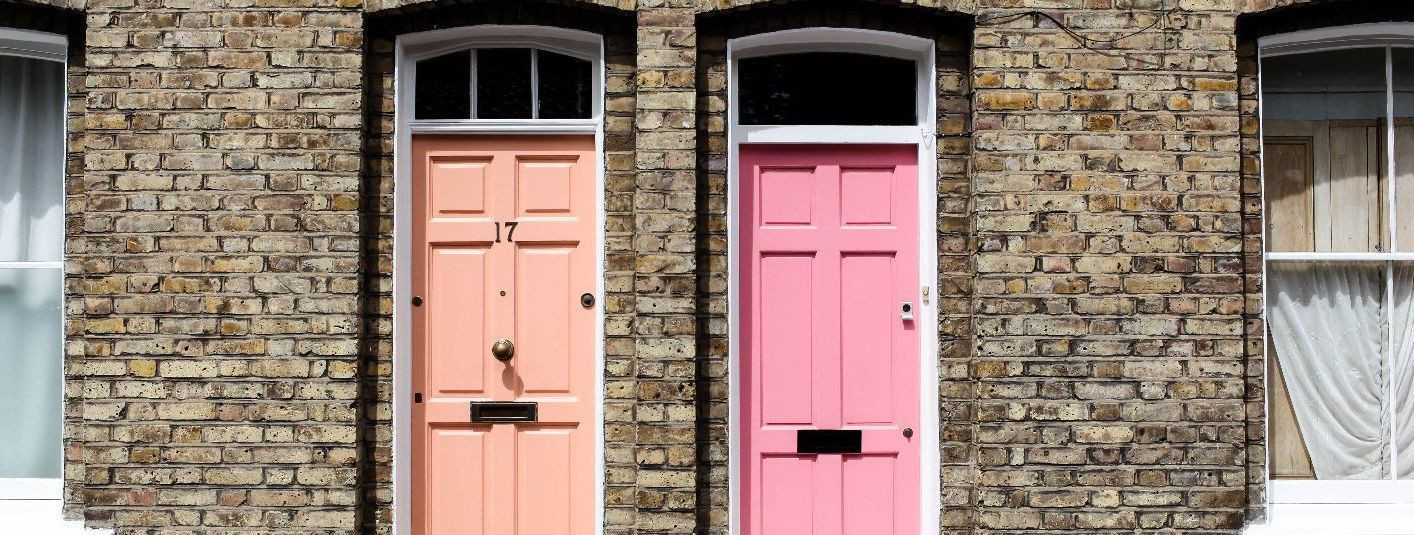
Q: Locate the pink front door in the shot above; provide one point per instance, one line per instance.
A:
(504, 247)
(829, 257)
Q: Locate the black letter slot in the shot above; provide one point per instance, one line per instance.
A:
(502, 411)
(827, 440)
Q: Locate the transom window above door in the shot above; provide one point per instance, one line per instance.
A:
(504, 83)
(827, 88)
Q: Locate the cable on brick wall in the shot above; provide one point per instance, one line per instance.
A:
(1089, 43)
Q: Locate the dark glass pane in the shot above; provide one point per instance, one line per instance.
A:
(1330, 104)
(503, 83)
(1403, 211)
(564, 86)
(808, 89)
(444, 87)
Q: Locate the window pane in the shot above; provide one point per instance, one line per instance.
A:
(1402, 321)
(32, 162)
(1328, 339)
(827, 88)
(1323, 127)
(1403, 63)
(563, 84)
(503, 83)
(30, 332)
(444, 86)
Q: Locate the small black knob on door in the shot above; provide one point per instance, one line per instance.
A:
(417, 300)
(586, 300)
(908, 432)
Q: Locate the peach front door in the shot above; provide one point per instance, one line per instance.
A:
(504, 249)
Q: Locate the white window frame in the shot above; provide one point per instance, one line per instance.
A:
(42, 46)
(924, 135)
(410, 48)
(1315, 506)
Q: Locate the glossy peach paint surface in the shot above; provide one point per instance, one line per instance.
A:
(479, 286)
(829, 249)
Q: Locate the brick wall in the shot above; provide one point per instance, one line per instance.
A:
(1109, 327)
(220, 252)
(230, 237)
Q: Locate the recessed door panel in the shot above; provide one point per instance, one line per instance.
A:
(546, 277)
(457, 487)
(459, 273)
(786, 495)
(545, 479)
(829, 346)
(504, 245)
(786, 333)
(868, 317)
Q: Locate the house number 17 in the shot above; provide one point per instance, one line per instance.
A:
(510, 231)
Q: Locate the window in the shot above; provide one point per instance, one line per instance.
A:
(503, 83)
(32, 94)
(1338, 168)
(808, 89)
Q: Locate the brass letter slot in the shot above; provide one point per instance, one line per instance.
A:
(827, 440)
(494, 412)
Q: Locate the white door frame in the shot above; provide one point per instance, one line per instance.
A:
(44, 46)
(923, 135)
(409, 49)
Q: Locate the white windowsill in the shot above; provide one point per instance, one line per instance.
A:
(31, 489)
(1336, 519)
(1339, 508)
(41, 516)
(1343, 493)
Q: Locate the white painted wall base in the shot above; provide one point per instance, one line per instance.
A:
(40, 517)
(1337, 519)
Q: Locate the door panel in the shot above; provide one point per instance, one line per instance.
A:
(829, 248)
(504, 244)
(459, 274)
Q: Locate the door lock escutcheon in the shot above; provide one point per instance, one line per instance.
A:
(503, 350)
(905, 310)
(586, 300)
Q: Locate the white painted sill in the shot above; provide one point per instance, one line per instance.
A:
(1336, 519)
(41, 516)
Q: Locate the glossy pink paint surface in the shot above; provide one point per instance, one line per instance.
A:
(829, 249)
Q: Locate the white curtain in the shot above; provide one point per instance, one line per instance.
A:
(1403, 324)
(31, 159)
(1329, 336)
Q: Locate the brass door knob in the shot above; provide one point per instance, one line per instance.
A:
(503, 350)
